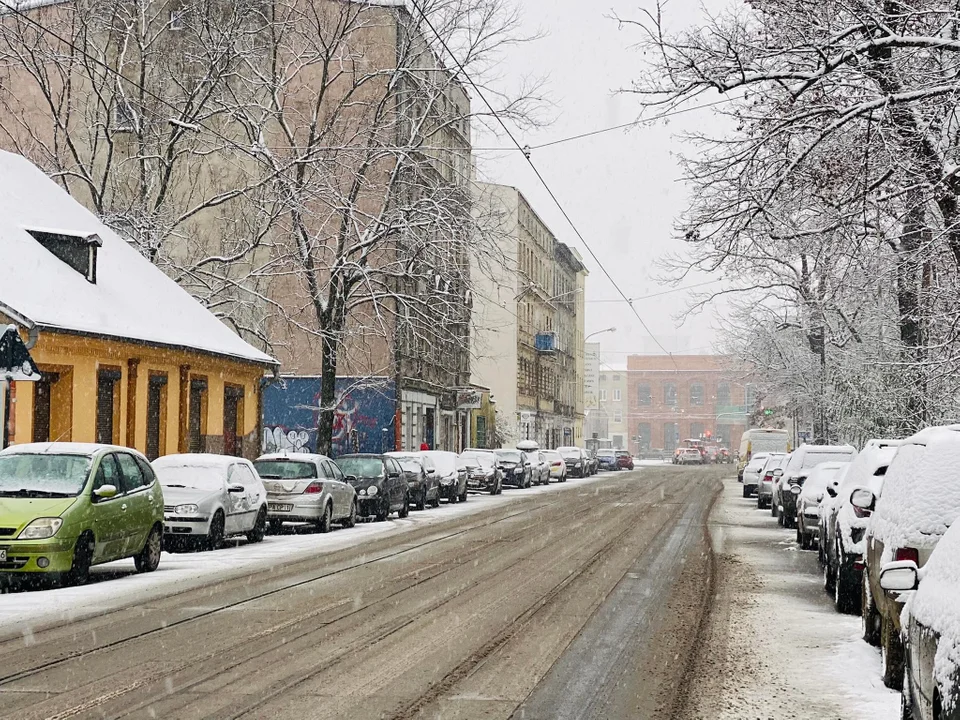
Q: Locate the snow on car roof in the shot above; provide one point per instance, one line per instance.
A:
(132, 299)
(196, 460)
(921, 494)
(293, 457)
(60, 448)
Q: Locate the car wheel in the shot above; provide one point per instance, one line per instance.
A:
(383, 510)
(351, 519)
(405, 510)
(773, 508)
(148, 559)
(422, 500)
(215, 535)
(495, 488)
(436, 501)
(845, 596)
(463, 495)
(500, 486)
(79, 571)
(259, 527)
(869, 617)
(891, 649)
(746, 491)
(323, 524)
(906, 703)
(829, 576)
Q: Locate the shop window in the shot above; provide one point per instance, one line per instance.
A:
(156, 415)
(197, 421)
(232, 420)
(108, 406)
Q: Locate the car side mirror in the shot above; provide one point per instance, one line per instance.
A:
(831, 491)
(900, 576)
(105, 492)
(350, 478)
(235, 488)
(393, 475)
(778, 472)
(796, 489)
(862, 498)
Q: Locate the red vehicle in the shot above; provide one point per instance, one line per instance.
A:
(624, 460)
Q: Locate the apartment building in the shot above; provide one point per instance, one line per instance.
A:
(528, 323)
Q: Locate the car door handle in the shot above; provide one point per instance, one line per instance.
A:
(123, 507)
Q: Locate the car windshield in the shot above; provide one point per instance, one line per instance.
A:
(285, 469)
(445, 462)
(570, 453)
(361, 467)
(768, 441)
(606, 453)
(43, 475)
(197, 477)
(812, 459)
(478, 459)
(512, 456)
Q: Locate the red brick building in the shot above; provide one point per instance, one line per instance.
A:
(686, 396)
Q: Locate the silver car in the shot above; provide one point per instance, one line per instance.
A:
(304, 487)
(207, 498)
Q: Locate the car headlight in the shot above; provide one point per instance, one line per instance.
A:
(372, 490)
(186, 509)
(41, 528)
(518, 471)
(363, 491)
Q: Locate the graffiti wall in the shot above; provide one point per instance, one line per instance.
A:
(365, 410)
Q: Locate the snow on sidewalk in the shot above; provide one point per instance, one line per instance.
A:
(117, 584)
(774, 646)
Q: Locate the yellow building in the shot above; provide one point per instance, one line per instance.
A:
(127, 356)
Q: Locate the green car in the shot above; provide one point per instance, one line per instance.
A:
(67, 506)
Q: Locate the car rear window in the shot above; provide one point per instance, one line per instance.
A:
(285, 469)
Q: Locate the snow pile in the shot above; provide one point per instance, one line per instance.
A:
(935, 606)
(921, 493)
(862, 473)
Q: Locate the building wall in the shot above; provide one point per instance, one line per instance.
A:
(77, 360)
(713, 380)
(613, 406)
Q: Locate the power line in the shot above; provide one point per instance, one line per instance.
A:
(653, 295)
(480, 94)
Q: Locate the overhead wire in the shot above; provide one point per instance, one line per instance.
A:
(546, 186)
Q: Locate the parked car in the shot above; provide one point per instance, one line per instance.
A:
(65, 507)
(606, 459)
(451, 474)
(751, 473)
(557, 465)
(624, 460)
(770, 472)
(421, 476)
(823, 476)
(576, 460)
(931, 632)
(305, 487)
(379, 482)
(483, 471)
(725, 456)
(920, 500)
(842, 528)
(208, 498)
(517, 468)
(593, 462)
(795, 472)
(689, 456)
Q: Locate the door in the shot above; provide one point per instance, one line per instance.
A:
(109, 514)
(108, 406)
(341, 493)
(232, 438)
(139, 510)
(429, 427)
(156, 390)
(238, 503)
(397, 483)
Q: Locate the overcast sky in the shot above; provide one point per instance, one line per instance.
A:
(620, 188)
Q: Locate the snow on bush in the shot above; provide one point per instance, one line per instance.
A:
(921, 492)
(936, 606)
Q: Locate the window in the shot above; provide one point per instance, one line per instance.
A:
(723, 394)
(643, 436)
(603, 395)
(156, 415)
(603, 378)
(77, 251)
(616, 395)
(696, 430)
(696, 394)
(232, 414)
(123, 117)
(108, 406)
(197, 421)
(132, 477)
(670, 439)
(177, 18)
(616, 378)
(643, 394)
(618, 416)
(107, 473)
(670, 394)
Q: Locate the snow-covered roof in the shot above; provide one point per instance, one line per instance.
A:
(132, 299)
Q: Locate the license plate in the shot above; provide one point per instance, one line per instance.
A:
(279, 508)
(3, 554)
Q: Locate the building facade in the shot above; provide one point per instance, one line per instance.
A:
(609, 420)
(672, 398)
(528, 319)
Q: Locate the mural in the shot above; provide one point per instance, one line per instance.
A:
(365, 410)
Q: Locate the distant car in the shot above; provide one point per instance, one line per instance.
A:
(823, 476)
(421, 476)
(750, 477)
(795, 472)
(67, 506)
(606, 459)
(557, 465)
(576, 460)
(379, 482)
(517, 468)
(305, 487)
(689, 456)
(931, 618)
(768, 475)
(842, 530)
(451, 474)
(539, 470)
(920, 500)
(624, 460)
(208, 498)
(483, 471)
(593, 462)
(724, 456)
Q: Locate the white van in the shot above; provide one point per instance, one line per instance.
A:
(761, 440)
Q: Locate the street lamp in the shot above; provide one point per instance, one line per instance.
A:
(598, 332)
